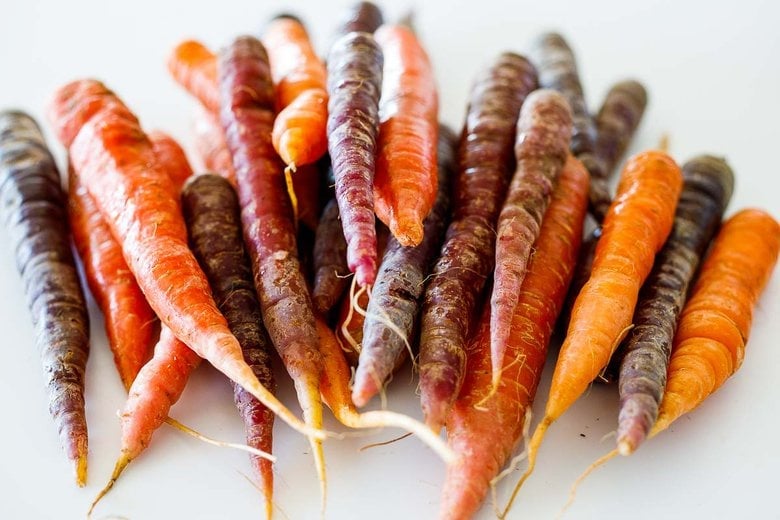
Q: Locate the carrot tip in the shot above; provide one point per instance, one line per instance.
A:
(365, 272)
(121, 464)
(625, 447)
(81, 470)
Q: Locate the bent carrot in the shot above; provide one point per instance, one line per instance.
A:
(193, 66)
(335, 393)
(117, 165)
(484, 427)
(635, 229)
(211, 146)
(33, 210)
(405, 179)
(354, 84)
(269, 231)
(542, 144)
(466, 260)
(213, 219)
(708, 183)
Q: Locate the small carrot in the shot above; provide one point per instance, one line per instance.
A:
(269, 231)
(116, 162)
(211, 146)
(484, 427)
(335, 393)
(33, 210)
(542, 144)
(393, 310)
(708, 183)
(635, 228)
(405, 179)
(466, 260)
(354, 84)
(194, 67)
(213, 219)
(170, 154)
(330, 260)
(360, 17)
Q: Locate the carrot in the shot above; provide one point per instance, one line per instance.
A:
(393, 309)
(708, 183)
(483, 427)
(709, 345)
(116, 162)
(335, 393)
(405, 180)
(360, 17)
(484, 163)
(211, 146)
(269, 231)
(213, 219)
(170, 154)
(307, 187)
(558, 70)
(33, 210)
(616, 122)
(193, 66)
(354, 84)
(635, 229)
(543, 132)
(330, 260)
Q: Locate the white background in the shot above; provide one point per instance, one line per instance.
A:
(713, 76)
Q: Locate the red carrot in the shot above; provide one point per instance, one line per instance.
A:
(269, 232)
(211, 146)
(484, 427)
(635, 229)
(194, 67)
(354, 84)
(542, 144)
(405, 180)
(33, 211)
(134, 194)
(484, 164)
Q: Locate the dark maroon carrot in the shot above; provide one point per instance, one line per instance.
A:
(354, 85)
(330, 260)
(484, 165)
(542, 145)
(558, 70)
(708, 183)
(32, 208)
(247, 117)
(211, 210)
(393, 309)
(360, 17)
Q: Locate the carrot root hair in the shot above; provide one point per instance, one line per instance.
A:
(385, 443)
(533, 449)
(288, 171)
(119, 467)
(590, 469)
(220, 444)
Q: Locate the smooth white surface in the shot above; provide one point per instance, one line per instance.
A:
(713, 77)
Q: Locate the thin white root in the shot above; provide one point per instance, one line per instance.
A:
(385, 443)
(385, 418)
(222, 444)
(514, 464)
(345, 326)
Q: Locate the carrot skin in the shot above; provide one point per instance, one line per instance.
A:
(484, 436)
(211, 146)
(484, 163)
(405, 180)
(213, 219)
(709, 345)
(172, 156)
(193, 66)
(399, 286)
(543, 132)
(307, 186)
(354, 85)
(707, 188)
(360, 17)
(330, 260)
(34, 211)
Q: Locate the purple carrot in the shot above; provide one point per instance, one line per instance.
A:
(395, 298)
(32, 207)
(361, 17)
(543, 134)
(330, 260)
(484, 162)
(354, 85)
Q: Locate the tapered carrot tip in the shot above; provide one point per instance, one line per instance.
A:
(365, 272)
(437, 396)
(408, 235)
(80, 467)
(364, 389)
(121, 464)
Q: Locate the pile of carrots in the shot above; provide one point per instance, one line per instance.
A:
(337, 224)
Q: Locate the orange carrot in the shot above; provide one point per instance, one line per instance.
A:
(709, 345)
(405, 177)
(483, 432)
(170, 154)
(635, 228)
(211, 146)
(134, 194)
(194, 67)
